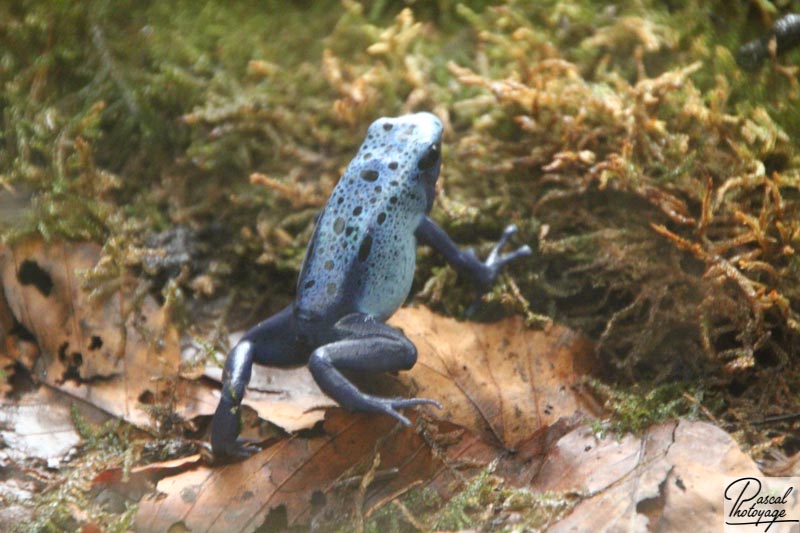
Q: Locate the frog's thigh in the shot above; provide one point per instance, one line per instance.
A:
(362, 345)
(273, 342)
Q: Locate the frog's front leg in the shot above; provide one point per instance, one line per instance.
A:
(360, 343)
(483, 273)
(271, 342)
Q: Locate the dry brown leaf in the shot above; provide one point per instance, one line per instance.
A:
(6, 372)
(140, 477)
(38, 424)
(105, 351)
(12, 347)
(238, 497)
(670, 479)
(502, 380)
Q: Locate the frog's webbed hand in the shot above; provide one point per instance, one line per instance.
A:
(483, 273)
(363, 345)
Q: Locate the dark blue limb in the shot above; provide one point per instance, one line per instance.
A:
(483, 273)
(272, 342)
(364, 345)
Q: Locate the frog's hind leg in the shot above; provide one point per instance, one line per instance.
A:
(272, 343)
(362, 344)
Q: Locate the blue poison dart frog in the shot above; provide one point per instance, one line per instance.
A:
(356, 273)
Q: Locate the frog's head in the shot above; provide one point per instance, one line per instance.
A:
(411, 147)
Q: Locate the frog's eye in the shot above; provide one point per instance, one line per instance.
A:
(431, 157)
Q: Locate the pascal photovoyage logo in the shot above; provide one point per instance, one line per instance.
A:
(769, 504)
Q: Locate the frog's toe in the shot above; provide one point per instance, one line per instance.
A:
(522, 251)
(496, 262)
(238, 449)
(403, 403)
(498, 259)
(510, 230)
(389, 410)
(244, 449)
(390, 407)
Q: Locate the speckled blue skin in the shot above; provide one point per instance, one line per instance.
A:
(357, 272)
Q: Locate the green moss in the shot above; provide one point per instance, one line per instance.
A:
(634, 410)
(485, 502)
(463, 510)
(394, 517)
(536, 511)
(102, 448)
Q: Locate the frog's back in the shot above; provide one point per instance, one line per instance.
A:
(361, 257)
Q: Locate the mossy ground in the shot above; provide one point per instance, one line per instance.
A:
(658, 182)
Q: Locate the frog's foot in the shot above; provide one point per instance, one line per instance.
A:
(238, 449)
(390, 406)
(496, 261)
(225, 430)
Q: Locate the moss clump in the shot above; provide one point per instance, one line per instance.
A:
(625, 142)
(635, 409)
(464, 509)
(484, 503)
(408, 513)
(105, 446)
